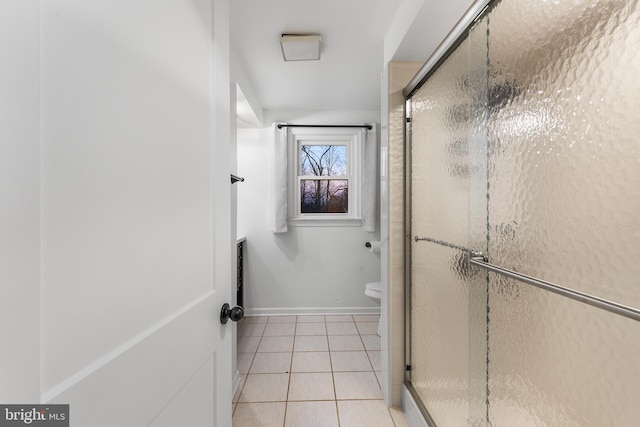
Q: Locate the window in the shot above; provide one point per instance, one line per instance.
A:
(324, 176)
(324, 179)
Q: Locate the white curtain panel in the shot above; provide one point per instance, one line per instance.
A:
(370, 179)
(279, 179)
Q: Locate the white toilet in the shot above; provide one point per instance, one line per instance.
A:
(374, 291)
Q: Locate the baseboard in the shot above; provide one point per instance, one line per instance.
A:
(411, 411)
(289, 311)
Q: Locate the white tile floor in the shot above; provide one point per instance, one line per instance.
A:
(311, 371)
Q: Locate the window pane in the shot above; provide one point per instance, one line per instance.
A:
(324, 196)
(323, 160)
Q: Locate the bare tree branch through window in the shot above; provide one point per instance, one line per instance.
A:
(324, 195)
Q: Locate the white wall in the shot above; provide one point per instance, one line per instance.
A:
(19, 201)
(307, 269)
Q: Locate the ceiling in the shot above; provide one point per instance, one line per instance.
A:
(348, 75)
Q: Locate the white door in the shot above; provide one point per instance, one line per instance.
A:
(130, 177)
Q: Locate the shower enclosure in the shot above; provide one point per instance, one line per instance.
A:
(524, 153)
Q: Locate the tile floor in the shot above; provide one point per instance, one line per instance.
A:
(311, 371)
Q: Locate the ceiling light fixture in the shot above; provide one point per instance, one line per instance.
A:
(300, 47)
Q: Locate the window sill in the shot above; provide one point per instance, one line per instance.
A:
(325, 222)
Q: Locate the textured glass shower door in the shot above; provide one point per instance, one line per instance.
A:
(448, 299)
(525, 146)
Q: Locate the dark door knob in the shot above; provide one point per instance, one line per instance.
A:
(236, 313)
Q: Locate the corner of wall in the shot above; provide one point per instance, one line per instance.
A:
(250, 111)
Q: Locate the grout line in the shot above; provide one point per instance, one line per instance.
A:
(293, 346)
(244, 383)
(286, 407)
(333, 377)
(369, 358)
(391, 416)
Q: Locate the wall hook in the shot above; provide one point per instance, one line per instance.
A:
(235, 178)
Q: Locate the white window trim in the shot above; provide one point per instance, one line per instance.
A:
(353, 139)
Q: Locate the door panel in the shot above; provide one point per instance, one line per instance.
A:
(149, 373)
(197, 393)
(137, 239)
(19, 202)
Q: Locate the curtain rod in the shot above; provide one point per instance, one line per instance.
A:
(281, 125)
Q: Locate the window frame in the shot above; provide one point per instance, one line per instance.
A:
(353, 140)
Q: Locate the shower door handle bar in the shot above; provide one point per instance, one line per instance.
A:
(610, 306)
